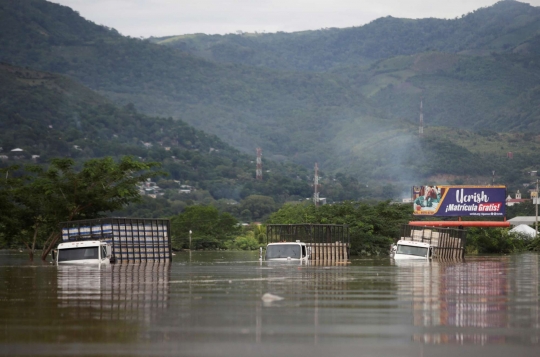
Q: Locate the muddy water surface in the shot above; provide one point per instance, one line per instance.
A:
(210, 304)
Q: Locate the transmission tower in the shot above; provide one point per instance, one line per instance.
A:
(316, 186)
(421, 128)
(258, 172)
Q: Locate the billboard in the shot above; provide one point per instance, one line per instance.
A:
(459, 201)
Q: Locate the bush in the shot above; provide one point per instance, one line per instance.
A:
(243, 243)
(496, 241)
(534, 245)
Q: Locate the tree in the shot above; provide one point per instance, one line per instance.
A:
(10, 225)
(259, 232)
(258, 205)
(209, 228)
(42, 198)
(293, 214)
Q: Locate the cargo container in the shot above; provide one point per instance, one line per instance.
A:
(130, 239)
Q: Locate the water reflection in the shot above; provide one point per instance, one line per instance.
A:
(121, 291)
(211, 305)
(484, 298)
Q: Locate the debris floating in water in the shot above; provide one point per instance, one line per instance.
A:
(271, 297)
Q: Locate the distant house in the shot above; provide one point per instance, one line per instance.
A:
(17, 150)
(150, 189)
(4, 157)
(185, 189)
(514, 201)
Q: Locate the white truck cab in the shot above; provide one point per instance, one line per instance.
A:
(84, 252)
(287, 251)
(406, 249)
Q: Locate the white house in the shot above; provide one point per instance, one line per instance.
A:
(514, 201)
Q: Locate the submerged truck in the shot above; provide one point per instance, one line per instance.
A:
(111, 240)
(406, 249)
(429, 243)
(85, 252)
(313, 243)
(287, 251)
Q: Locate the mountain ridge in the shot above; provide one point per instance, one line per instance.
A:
(485, 30)
(360, 117)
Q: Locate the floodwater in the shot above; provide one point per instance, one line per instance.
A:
(210, 304)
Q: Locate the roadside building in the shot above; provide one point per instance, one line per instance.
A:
(517, 200)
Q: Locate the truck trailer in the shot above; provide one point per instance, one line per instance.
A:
(117, 239)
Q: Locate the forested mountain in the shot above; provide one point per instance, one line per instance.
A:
(505, 27)
(475, 71)
(345, 98)
(48, 115)
(247, 107)
(468, 92)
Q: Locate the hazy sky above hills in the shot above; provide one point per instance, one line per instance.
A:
(175, 17)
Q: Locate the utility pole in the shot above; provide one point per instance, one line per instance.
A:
(316, 186)
(258, 173)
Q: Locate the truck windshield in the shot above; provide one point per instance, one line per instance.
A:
(275, 251)
(77, 253)
(411, 250)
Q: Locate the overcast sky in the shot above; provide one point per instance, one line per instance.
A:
(145, 18)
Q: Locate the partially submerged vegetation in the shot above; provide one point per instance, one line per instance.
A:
(499, 241)
(372, 226)
(34, 199)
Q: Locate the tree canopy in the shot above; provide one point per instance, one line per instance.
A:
(36, 199)
(205, 225)
(372, 226)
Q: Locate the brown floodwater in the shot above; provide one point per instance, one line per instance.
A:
(210, 304)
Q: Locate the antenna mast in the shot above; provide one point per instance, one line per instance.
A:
(258, 172)
(421, 128)
(316, 186)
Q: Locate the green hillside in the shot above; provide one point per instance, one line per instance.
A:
(495, 92)
(345, 98)
(502, 27)
(279, 111)
(442, 156)
(49, 115)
